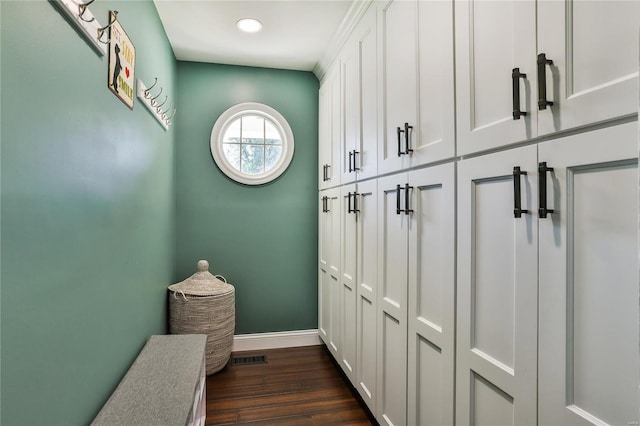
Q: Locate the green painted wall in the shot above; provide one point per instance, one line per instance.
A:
(263, 238)
(86, 212)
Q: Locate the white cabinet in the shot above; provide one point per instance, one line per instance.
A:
(493, 38)
(434, 137)
(348, 282)
(516, 80)
(397, 24)
(367, 291)
(329, 308)
(417, 297)
(548, 265)
(588, 330)
(360, 103)
(431, 302)
(594, 49)
(417, 111)
(348, 268)
(330, 129)
(497, 290)
(393, 234)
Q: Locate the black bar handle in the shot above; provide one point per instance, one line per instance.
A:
(516, 75)
(399, 130)
(355, 203)
(517, 198)
(327, 166)
(324, 205)
(355, 168)
(542, 189)
(407, 210)
(349, 203)
(406, 138)
(324, 173)
(543, 103)
(398, 210)
(350, 157)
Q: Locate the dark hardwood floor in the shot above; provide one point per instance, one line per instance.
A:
(296, 386)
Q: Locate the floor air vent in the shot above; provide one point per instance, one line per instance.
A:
(246, 360)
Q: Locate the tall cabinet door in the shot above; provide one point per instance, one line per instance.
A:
(393, 225)
(493, 38)
(594, 49)
(366, 158)
(329, 270)
(497, 290)
(431, 323)
(330, 122)
(399, 76)
(589, 280)
(434, 139)
(324, 132)
(348, 268)
(350, 63)
(367, 292)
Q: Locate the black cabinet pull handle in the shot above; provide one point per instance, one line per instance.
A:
(398, 210)
(399, 130)
(324, 173)
(350, 156)
(349, 210)
(355, 168)
(516, 75)
(327, 171)
(324, 204)
(407, 210)
(543, 103)
(355, 209)
(406, 138)
(517, 201)
(542, 189)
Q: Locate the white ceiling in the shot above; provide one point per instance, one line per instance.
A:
(296, 34)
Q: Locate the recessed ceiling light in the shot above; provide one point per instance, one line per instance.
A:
(249, 25)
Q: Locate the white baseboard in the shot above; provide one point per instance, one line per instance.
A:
(281, 339)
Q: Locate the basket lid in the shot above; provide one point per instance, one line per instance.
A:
(202, 283)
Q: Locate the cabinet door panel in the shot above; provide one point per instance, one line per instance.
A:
(392, 302)
(324, 132)
(594, 49)
(367, 159)
(367, 249)
(348, 267)
(399, 102)
(589, 280)
(435, 133)
(350, 63)
(493, 37)
(431, 297)
(329, 267)
(497, 290)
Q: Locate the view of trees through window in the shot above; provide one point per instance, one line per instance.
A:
(252, 144)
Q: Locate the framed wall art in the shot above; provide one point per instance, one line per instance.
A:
(122, 59)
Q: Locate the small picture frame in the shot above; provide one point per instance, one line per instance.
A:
(122, 60)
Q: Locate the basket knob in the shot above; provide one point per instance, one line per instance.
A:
(203, 266)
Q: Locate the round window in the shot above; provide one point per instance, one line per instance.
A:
(252, 143)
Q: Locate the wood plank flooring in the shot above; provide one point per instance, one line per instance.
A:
(297, 386)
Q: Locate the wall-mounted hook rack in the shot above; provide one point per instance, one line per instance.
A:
(79, 14)
(150, 98)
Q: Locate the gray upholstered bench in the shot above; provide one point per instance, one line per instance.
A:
(166, 385)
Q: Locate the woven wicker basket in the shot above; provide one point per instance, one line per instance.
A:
(203, 304)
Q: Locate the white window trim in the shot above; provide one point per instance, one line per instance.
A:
(253, 108)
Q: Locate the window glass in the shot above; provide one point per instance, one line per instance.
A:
(252, 143)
